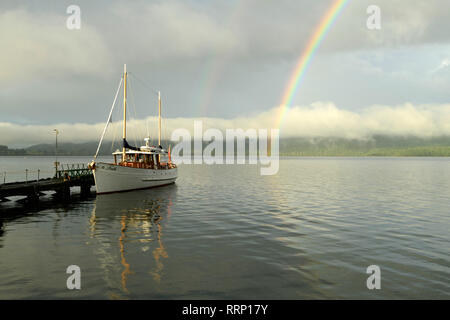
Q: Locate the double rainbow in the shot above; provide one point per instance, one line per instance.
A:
(307, 55)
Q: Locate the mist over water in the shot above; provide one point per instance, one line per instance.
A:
(226, 232)
(319, 119)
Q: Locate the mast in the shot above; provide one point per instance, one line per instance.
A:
(124, 109)
(159, 118)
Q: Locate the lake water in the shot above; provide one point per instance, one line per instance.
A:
(226, 232)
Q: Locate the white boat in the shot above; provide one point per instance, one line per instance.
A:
(133, 168)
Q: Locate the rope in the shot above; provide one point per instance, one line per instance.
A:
(133, 106)
(109, 119)
(114, 129)
(144, 84)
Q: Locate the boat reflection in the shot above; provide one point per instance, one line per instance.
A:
(136, 220)
(126, 271)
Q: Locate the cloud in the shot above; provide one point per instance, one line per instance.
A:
(443, 65)
(320, 119)
(326, 120)
(268, 30)
(206, 55)
(166, 30)
(403, 24)
(174, 29)
(169, 30)
(36, 45)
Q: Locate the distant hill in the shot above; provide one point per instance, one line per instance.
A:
(65, 149)
(69, 149)
(375, 146)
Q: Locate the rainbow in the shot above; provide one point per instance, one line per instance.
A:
(307, 55)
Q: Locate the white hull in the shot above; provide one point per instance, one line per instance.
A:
(114, 178)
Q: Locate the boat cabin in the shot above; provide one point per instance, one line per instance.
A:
(145, 158)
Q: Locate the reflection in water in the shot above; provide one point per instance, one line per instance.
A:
(126, 271)
(136, 218)
(158, 253)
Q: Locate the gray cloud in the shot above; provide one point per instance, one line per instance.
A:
(37, 46)
(215, 58)
(403, 23)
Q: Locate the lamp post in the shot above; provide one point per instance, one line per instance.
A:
(56, 152)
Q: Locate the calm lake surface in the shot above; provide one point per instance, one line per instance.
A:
(226, 232)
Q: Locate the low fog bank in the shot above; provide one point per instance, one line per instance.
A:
(321, 120)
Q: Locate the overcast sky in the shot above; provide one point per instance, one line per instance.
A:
(223, 60)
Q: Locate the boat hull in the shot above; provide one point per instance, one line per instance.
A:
(111, 178)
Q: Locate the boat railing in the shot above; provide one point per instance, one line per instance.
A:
(143, 165)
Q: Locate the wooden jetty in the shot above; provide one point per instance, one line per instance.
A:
(74, 175)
